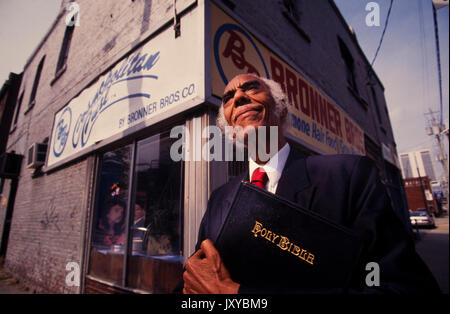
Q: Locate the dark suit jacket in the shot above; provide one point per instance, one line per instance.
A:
(347, 190)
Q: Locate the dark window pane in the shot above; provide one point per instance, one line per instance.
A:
(375, 103)
(349, 64)
(36, 79)
(64, 52)
(16, 114)
(156, 258)
(109, 218)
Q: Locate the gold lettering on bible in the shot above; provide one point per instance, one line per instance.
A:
(282, 242)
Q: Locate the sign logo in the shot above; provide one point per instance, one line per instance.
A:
(62, 132)
(235, 50)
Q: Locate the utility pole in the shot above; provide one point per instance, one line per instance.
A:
(437, 129)
(438, 59)
(434, 127)
(425, 201)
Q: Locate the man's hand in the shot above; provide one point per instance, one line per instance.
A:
(205, 272)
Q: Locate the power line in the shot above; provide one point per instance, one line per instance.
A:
(382, 35)
(438, 57)
(424, 59)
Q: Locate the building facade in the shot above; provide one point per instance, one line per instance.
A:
(420, 195)
(418, 173)
(117, 104)
(417, 164)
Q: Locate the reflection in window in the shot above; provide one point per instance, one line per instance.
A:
(156, 256)
(110, 215)
(154, 245)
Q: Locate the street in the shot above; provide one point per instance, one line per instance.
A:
(433, 247)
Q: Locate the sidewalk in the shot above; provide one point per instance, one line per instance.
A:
(433, 247)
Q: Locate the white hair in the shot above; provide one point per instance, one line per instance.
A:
(279, 97)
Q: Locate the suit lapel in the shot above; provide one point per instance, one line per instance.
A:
(294, 178)
(225, 206)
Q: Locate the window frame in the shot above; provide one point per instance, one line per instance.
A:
(17, 112)
(37, 78)
(349, 62)
(132, 184)
(61, 64)
(290, 11)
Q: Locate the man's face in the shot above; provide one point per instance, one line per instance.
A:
(247, 101)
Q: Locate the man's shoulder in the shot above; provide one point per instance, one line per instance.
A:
(339, 160)
(226, 189)
(340, 164)
(296, 155)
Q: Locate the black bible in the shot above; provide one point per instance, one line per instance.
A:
(270, 242)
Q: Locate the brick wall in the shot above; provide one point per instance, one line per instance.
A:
(47, 224)
(45, 231)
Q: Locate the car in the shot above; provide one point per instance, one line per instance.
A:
(421, 218)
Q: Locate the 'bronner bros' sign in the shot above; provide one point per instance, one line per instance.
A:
(314, 119)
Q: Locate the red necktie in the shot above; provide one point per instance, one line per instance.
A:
(260, 178)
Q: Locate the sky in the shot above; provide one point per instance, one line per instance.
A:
(23, 24)
(406, 63)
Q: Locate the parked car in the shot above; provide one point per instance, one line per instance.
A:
(421, 218)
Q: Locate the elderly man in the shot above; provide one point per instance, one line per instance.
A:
(343, 188)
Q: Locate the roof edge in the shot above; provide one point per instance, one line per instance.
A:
(44, 39)
(355, 41)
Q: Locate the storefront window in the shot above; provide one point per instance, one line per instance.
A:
(109, 229)
(154, 262)
(156, 257)
(108, 234)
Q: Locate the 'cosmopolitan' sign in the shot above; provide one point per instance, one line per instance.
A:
(154, 79)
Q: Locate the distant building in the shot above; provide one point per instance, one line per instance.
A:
(420, 196)
(418, 173)
(417, 164)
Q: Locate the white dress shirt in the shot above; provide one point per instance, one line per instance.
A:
(274, 167)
